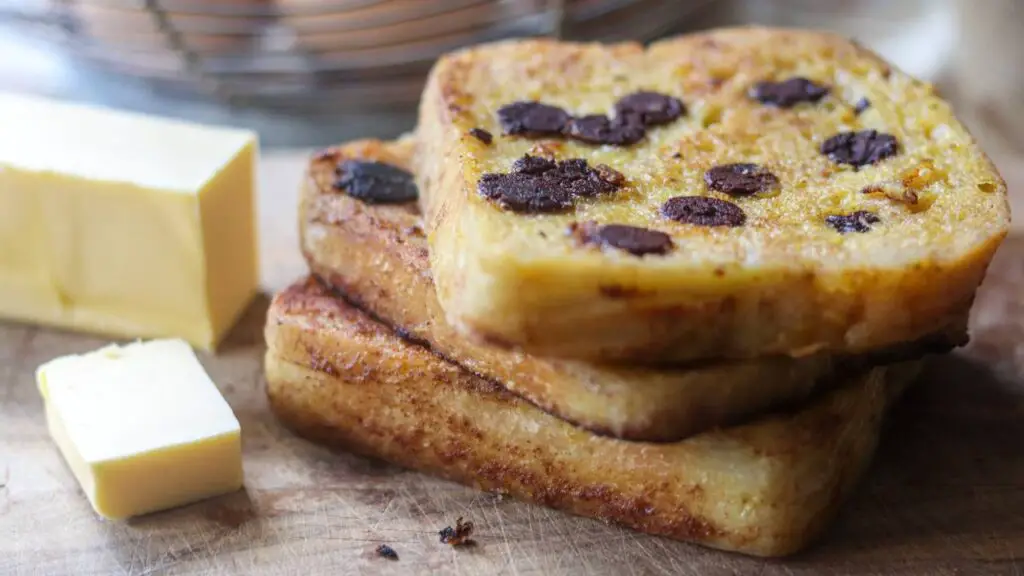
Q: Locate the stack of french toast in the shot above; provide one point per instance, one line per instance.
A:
(673, 287)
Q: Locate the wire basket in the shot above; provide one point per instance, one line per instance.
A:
(363, 58)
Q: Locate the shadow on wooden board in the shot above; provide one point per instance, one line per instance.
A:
(946, 492)
(248, 331)
(947, 488)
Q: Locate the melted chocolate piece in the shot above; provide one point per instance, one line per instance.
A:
(532, 119)
(740, 179)
(525, 193)
(375, 182)
(635, 240)
(703, 211)
(533, 164)
(651, 108)
(599, 129)
(633, 114)
(788, 93)
(482, 135)
(860, 148)
(540, 185)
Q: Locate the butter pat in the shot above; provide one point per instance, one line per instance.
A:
(142, 427)
(124, 224)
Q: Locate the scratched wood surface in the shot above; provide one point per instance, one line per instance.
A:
(946, 494)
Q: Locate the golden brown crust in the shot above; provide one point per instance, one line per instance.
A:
(766, 488)
(378, 257)
(783, 283)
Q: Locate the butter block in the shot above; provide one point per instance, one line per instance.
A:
(124, 224)
(142, 427)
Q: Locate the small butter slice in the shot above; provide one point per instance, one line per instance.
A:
(124, 224)
(142, 427)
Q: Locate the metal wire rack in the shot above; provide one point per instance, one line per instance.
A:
(312, 57)
(305, 53)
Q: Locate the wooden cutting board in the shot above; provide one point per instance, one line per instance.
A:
(946, 495)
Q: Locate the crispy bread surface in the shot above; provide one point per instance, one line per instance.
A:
(766, 488)
(376, 256)
(785, 281)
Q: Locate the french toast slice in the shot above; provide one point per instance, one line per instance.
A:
(766, 488)
(728, 194)
(376, 256)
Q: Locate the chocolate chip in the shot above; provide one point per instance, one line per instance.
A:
(590, 181)
(860, 148)
(633, 239)
(633, 113)
(599, 129)
(375, 182)
(652, 108)
(525, 193)
(583, 180)
(788, 93)
(859, 221)
(703, 211)
(539, 185)
(532, 119)
(861, 105)
(740, 179)
(533, 165)
(482, 135)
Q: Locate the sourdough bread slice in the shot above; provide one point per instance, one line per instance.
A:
(375, 254)
(729, 194)
(767, 488)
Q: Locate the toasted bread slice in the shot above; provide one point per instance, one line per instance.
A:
(766, 488)
(791, 192)
(376, 255)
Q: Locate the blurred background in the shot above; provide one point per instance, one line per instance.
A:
(305, 73)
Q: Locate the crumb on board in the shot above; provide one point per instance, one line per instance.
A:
(458, 536)
(385, 551)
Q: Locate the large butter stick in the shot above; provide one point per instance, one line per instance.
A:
(142, 427)
(124, 224)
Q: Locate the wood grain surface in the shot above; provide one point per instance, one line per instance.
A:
(945, 496)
